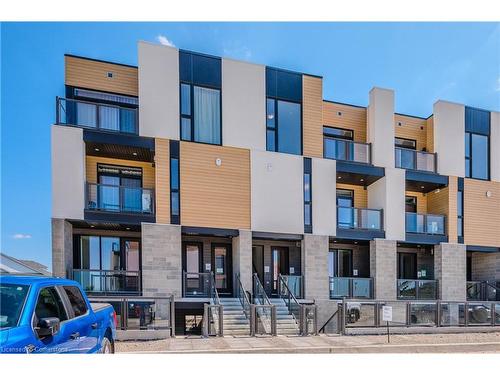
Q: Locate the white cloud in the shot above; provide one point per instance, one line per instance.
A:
(21, 236)
(498, 85)
(238, 51)
(165, 41)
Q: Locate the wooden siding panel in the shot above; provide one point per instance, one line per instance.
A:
(411, 128)
(162, 178)
(481, 214)
(352, 118)
(92, 74)
(444, 202)
(148, 171)
(360, 194)
(430, 134)
(211, 195)
(312, 116)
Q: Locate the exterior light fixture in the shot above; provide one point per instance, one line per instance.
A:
(134, 153)
(422, 187)
(96, 149)
(218, 162)
(488, 194)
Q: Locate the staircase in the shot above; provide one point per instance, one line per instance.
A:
(235, 320)
(285, 322)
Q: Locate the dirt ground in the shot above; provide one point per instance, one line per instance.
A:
(408, 343)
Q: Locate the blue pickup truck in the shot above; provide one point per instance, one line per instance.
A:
(52, 315)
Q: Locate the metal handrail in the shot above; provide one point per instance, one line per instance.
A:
(350, 157)
(415, 159)
(60, 107)
(282, 281)
(258, 285)
(424, 224)
(357, 214)
(214, 292)
(90, 194)
(240, 291)
(322, 329)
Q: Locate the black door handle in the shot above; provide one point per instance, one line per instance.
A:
(94, 325)
(74, 336)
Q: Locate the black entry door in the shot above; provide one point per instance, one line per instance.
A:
(222, 268)
(279, 264)
(407, 263)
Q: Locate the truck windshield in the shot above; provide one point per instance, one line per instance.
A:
(12, 297)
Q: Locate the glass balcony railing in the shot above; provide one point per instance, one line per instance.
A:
(417, 160)
(197, 284)
(342, 149)
(359, 218)
(483, 290)
(425, 223)
(97, 116)
(351, 287)
(114, 198)
(417, 289)
(108, 282)
(294, 284)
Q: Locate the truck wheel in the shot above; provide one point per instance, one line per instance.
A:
(106, 346)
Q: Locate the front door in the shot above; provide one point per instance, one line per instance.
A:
(258, 262)
(192, 267)
(279, 264)
(222, 267)
(407, 263)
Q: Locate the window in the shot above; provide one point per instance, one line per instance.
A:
(283, 111)
(12, 298)
(50, 305)
(405, 143)
(460, 213)
(174, 183)
(340, 263)
(410, 204)
(105, 253)
(200, 98)
(78, 304)
(307, 195)
(477, 132)
(345, 213)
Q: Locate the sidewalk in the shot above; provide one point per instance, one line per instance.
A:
(430, 343)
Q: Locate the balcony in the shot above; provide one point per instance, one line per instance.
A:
(415, 160)
(345, 150)
(121, 199)
(104, 117)
(351, 287)
(108, 282)
(359, 223)
(428, 229)
(417, 289)
(483, 290)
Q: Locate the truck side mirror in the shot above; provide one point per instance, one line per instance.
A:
(47, 327)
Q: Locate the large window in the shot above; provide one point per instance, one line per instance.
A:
(175, 205)
(283, 111)
(200, 98)
(477, 132)
(307, 195)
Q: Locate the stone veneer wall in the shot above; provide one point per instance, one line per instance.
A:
(383, 268)
(485, 266)
(62, 248)
(242, 259)
(450, 270)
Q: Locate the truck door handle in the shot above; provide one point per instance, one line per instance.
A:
(94, 325)
(74, 336)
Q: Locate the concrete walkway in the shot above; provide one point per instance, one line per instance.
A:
(430, 343)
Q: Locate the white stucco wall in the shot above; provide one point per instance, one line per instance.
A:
(158, 91)
(68, 172)
(243, 104)
(380, 126)
(324, 205)
(388, 193)
(277, 192)
(495, 146)
(449, 130)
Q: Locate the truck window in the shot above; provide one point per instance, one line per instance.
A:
(12, 297)
(77, 302)
(50, 305)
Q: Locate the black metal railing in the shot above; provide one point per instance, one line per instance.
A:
(108, 281)
(197, 284)
(416, 160)
(417, 289)
(342, 149)
(359, 218)
(288, 297)
(142, 313)
(98, 116)
(483, 290)
(425, 223)
(265, 312)
(351, 287)
(115, 198)
(243, 297)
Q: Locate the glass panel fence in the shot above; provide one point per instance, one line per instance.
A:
(422, 313)
(114, 281)
(361, 288)
(399, 312)
(452, 314)
(359, 218)
(114, 198)
(479, 313)
(197, 284)
(417, 160)
(360, 314)
(425, 224)
(342, 149)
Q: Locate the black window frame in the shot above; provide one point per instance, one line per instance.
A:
(414, 147)
(460, 215)
(477, 122)
(468, 171)
(308, 200)
(175, 156)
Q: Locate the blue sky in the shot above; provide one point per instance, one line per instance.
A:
(422, 62)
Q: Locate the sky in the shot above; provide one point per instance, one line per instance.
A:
(422, 62)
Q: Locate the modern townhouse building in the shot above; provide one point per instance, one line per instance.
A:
(205, 177)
